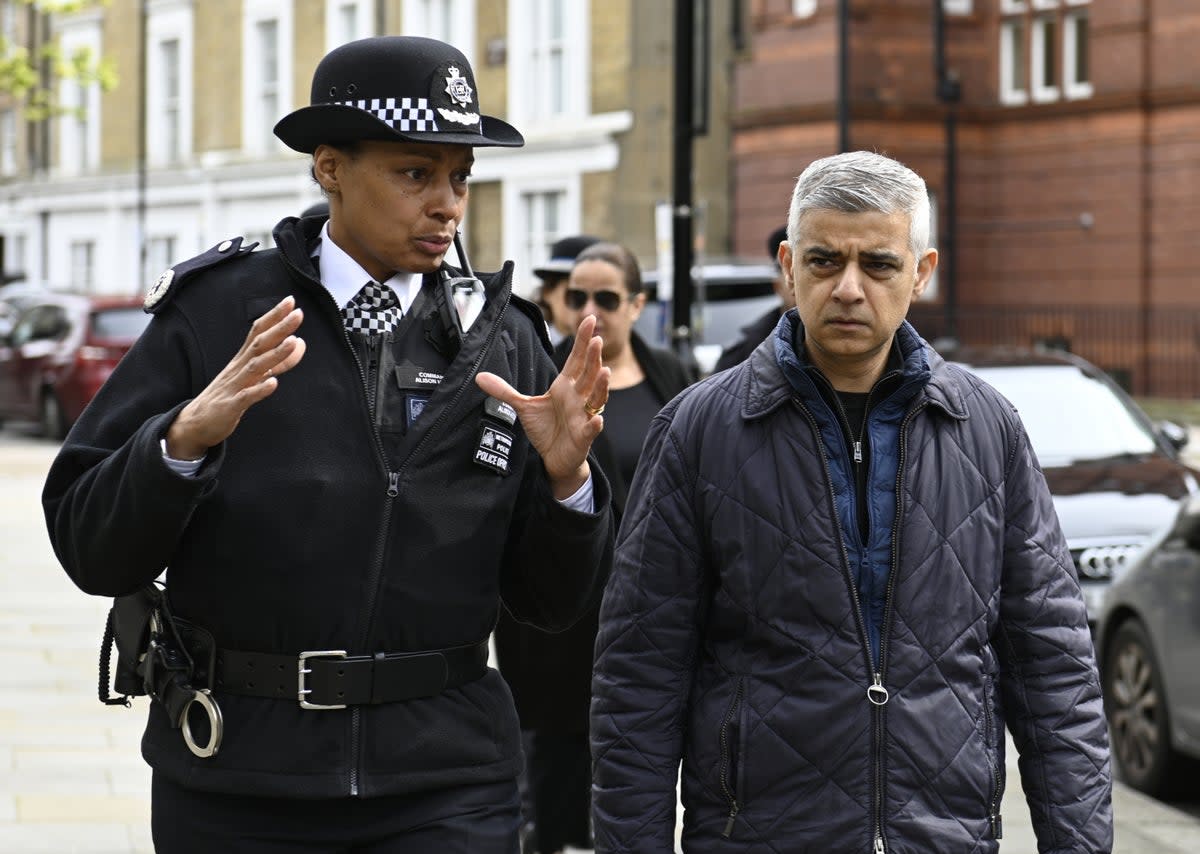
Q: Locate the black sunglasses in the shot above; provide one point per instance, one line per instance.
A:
(606, 300)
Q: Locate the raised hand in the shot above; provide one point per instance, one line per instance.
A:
(562, 422)
(270, 349)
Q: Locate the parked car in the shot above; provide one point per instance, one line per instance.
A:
(59, 352)
(1115, 476)
(1148, 644)
(729, 294)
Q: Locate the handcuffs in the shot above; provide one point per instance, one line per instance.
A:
(162, 656)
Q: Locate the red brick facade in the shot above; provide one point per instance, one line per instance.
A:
(1069, 210)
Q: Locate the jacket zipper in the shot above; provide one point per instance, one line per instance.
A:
(877, 694)
(730, 794)
(990, 734)
(393, 479)
(885, 630)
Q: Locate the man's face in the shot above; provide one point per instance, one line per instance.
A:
(395, 206)
(854, 277)
(553, 288)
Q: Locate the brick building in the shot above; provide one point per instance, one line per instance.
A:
(99, 201)
(1077, 140)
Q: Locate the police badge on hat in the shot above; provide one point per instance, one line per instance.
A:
(461, 93)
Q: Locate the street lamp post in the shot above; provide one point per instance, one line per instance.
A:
(681, 207)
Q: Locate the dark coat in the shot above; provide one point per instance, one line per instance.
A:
(753, 334)
(551, 675)
(733, 638)
(295, 535)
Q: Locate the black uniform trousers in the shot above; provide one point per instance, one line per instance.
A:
(479, 819)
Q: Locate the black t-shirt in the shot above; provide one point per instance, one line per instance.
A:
(627, 417)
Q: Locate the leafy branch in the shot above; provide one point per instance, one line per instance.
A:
(20, 74)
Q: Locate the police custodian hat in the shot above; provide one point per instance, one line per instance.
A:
(396, 89)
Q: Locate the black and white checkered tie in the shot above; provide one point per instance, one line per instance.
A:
(373, 310)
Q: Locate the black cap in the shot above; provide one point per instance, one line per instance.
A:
(394, 88)
(316, 209)
(777, 236)
(563, 254)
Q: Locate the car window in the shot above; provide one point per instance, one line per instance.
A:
(37, 323)
(1070, 416)
(116, 323)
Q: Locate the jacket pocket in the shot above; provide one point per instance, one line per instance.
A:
(732, 738)
(993, 752)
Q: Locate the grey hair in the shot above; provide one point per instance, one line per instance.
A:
(862, 182)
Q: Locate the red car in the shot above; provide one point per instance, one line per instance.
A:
(60, 351)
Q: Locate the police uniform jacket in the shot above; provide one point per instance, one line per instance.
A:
(316, 526)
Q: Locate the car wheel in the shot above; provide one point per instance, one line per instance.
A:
(52, 422)
(1136, 707)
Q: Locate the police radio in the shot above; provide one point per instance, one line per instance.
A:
(463, 294)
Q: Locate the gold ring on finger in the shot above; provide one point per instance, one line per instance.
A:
(593, 410)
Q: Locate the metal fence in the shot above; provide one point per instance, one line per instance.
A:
(1153, 353)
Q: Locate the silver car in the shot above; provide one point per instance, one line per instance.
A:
(1148, 645)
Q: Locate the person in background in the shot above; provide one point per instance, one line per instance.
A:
(346, 454)
(755, 333)
(840, 577)
(550, 675)
(553, 275)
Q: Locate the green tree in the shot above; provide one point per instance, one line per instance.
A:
(21, 68)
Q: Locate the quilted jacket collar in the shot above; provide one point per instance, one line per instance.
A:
(765, 387)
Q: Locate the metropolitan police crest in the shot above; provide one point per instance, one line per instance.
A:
(458, 88)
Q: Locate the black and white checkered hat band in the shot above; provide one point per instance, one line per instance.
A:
(403, 114)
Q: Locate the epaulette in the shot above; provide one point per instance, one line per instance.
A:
(534, 313)
(173, 278)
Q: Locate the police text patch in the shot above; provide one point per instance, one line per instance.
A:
(495, 446)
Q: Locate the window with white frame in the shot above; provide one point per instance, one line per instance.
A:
(548, 59)
(1077, 72)
(1045, 50)
(169, 82)
(804, 8)
(160, 253)
(14, 256)
(8, 20)
(267, 69)
(348, 20)
(83, 270)
(542, 218)
(451, 21)
(8, 142)
(172, 142)
(79, 125)
(957, 7)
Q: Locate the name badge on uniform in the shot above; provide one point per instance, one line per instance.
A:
(418, 386)
(495, 446)
(500, 410)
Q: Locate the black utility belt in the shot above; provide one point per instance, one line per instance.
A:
(331, 679)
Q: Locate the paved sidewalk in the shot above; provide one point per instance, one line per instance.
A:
(72, 780)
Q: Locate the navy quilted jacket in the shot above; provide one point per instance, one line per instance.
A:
(734, 630)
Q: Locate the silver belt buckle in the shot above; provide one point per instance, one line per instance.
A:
(302, 687)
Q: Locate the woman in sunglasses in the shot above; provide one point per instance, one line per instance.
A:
(550, 675)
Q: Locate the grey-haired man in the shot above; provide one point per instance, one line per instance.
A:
(839, 578)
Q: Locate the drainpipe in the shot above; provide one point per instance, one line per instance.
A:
(843, 104)
(949, 93)
(1146, 291)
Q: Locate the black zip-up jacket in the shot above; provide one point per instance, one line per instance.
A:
(297, 534)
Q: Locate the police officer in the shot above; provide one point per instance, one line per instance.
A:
(345, 453)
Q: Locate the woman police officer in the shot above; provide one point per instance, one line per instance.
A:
(344, 512)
